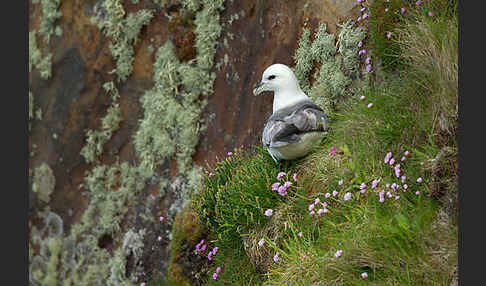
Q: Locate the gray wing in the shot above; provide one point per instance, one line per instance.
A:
(284, 129)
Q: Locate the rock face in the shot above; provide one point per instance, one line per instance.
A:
(255, 34)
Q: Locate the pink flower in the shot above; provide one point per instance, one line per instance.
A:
(394, 186)
(397, 197)
(338, 253)
(392, 161)
(143, 284)
(333, 150)
(312, 213)
(218, 269)
(210, 174)
(261, 242)
(280, 175)
(368, 69)
(215, 250)
(275, 186)
(340, 182)
(388, 157)
(388, 194)
(294, 177)
(359, 1)
(419, 180)
(406, 153)
(363, 98)
(317, 200)
(347, 196)
(362, 186)
(403, 179)
(431, 14)
(365, 15)
(364, 275)
(210, 255)
(418, 2)
(276, 257)
(287, 184)
(388, 35)
(375, 183)
(403, 10)
(300, 234)
(282, 190)
(320, 211)
(215, 275)
(368, 60)
(417, 193)
(363, 191)
(327, 195)
(269, 212)
(360, 44)
(334, 193)
(386, 9)
(405, 186)
(362, 52)
(311, 207)
(203, 248)
(159, 238)
(387, 185)
(382, 196)
(230, 153)
(161, 218)
(362, 9)
(403, 159)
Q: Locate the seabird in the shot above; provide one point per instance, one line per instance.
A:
(297, 124)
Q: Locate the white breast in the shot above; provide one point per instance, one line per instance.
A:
(299, 149)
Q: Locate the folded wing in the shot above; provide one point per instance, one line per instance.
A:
(288, 124)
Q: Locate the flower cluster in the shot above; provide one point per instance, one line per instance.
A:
(282, 188)
(212, 253)
(200, 247)
(317, 202)
(216, 273)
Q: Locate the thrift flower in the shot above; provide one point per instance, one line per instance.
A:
(276, 257)
(403, 159)
(405, 186)
(406, 153)
(382, 196)
(359, 19)
(218, 269)
(275, 186)
(327, 195)
(388, 194)
(368, 60)
(203, 248)
(388, 157)
(294, 177)
(431, 14)
(287, 184)
(312, 213)
(374, 183)
(397, 197)
(363, 98)
(317, 200)
(387, 185)
(417, 193)
(364, 275)
(159, 238)
(261, 242)
(368, 69)
(215, 250)
(299, 234)
(365, 15)
(230, 153)
(360, 44)
(215, 275)
(419, 180)
(338, 253)
(392, 161)
(161, 218)
(269, 212)
(362, 186)
(362, 52)
(280, 175)
(403, 179)
(210, 255)
(386, 9)
(362, 9)
(340, 182)
(334, 193)
(320, 211)
(388, 35)
(143, 284)
(403, 10)
(347, 196)
(311, 207)
(418, 2)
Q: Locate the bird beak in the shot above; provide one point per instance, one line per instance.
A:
(259, 88)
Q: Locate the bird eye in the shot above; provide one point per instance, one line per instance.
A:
(271, 77)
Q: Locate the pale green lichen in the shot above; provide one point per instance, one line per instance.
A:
(43, 182)
(109, 124)
(50, 14)
(43, 64)
(123, 32)
(338, 61)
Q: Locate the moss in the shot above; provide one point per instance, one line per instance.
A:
(348, 40)
(50, 14)
(109, 124)
(55, 246)
(36, 60)
(43, 182)
(123, 32)
(304, 60)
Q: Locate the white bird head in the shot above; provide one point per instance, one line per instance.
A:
(282, 81)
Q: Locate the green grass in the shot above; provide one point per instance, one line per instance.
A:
(411, 240)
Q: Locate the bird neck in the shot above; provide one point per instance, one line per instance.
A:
(282, 99)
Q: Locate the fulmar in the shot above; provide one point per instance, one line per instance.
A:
(297, 124)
